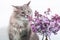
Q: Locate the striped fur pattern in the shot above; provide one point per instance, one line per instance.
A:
(19, 28)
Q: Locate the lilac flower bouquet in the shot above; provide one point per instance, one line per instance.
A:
(43, 25)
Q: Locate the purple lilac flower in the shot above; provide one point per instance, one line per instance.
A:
(42, 24)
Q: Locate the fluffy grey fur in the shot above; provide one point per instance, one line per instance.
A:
(19, 28)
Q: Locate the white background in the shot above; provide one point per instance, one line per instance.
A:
(40, 5)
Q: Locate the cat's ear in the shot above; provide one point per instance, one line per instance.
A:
(28, 3)
(15, 6)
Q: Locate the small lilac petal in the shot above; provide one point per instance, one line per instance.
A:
(48, 10)
(33, 28)
(37, 21)
(36, 13)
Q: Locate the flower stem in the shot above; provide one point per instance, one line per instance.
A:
(43, 37)
(46, 38)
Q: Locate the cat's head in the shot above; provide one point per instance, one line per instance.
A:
(23, 10)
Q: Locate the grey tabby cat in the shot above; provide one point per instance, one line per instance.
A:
(19, 28)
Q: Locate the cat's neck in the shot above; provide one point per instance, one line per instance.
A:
(21, 18)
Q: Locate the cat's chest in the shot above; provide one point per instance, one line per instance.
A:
(22, 21)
